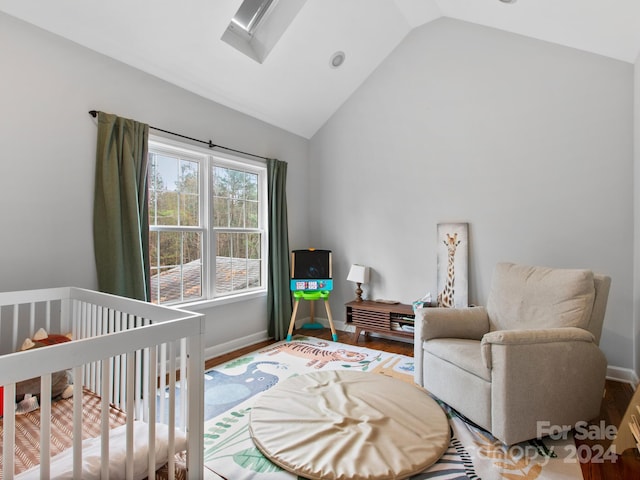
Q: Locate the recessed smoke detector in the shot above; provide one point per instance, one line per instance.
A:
(508, 1)
(337, 59)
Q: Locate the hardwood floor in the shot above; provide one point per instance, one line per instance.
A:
(625, 465)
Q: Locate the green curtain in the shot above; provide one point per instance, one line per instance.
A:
(121, 206)
(278, 296)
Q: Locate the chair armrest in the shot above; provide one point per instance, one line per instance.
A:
(542, 336)
(469, 323)
(554, 375)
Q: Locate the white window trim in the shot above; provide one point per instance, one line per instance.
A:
(207, 159)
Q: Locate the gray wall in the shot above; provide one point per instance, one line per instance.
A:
(48, 140)
(529, 142)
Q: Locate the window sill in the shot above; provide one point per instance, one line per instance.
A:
(214, 302)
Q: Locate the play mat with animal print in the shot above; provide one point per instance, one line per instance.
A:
(231, 388)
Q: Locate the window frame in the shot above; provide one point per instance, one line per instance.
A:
(208, 160)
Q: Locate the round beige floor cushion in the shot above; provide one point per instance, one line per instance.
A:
(339, 425)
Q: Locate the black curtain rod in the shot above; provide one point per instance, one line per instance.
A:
(210, 144)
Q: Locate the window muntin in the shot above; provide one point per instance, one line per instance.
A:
(174, 190)
(236, 225)
(176, 275)
(206, 217)
(235, 198)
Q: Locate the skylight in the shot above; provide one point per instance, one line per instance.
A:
(249, 14)
(258, 25)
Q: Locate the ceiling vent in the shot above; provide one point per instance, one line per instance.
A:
(258, 25)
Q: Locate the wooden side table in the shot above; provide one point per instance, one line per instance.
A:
(390, 319)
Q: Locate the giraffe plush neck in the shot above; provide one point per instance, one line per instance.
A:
(445, 298)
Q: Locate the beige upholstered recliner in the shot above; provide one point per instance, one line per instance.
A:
(528, 362)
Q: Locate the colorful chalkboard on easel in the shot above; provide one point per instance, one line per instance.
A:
(311, 279)
(311, 270)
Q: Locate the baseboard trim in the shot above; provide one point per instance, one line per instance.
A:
(343, 326)
(620, 374)
(235, 344)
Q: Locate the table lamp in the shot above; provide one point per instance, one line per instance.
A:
(360, 275)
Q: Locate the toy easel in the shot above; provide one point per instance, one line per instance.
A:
(311, 296)
(311, 280)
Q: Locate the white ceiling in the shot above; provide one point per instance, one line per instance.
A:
(295, 88)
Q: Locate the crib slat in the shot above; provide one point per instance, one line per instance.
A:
(104, 421)
(147, 399)
(116, 381)
(66, 315)
(32, 319)
(163, 379)
(195, 425)
(14, 341)
(99, 365)
(124, 361)
(48, 316)
(112, 360)
(146, 381)
(45, 426)
(183, 382)
(71, 305)
(86, 333)
(152, 394)
(92, 320)
(130, 404)
(139, 378)
(9, 434)
(77, 423)
(117, 364)
(172, 410)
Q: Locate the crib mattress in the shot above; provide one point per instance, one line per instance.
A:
(27, 443)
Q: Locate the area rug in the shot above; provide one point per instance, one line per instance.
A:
(231, 389)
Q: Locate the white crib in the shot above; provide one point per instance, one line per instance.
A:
(126, 351)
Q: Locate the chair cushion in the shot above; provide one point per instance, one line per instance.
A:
(526, 297)
(465, 354)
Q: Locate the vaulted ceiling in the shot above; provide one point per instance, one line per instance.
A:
(295, 87)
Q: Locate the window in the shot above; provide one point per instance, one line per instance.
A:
(206, 224)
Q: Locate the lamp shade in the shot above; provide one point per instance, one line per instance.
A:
(358, 274)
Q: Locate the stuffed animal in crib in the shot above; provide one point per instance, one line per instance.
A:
(60, 381)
